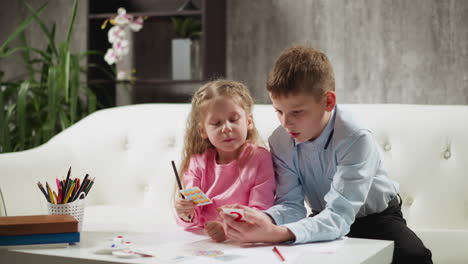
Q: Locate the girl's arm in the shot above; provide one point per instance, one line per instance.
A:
(192, 178)
(262, 194)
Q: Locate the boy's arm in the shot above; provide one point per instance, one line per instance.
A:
(289, 203)
(357, 165)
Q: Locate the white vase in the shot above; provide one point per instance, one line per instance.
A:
(181, 59)
(124, 68)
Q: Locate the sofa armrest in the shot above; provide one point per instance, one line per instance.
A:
(20, 171)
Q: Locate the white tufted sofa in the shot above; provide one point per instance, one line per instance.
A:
(129, 149)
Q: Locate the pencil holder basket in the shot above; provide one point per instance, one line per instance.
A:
(75, 209)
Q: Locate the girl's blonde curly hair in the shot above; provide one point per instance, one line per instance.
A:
(194, 143)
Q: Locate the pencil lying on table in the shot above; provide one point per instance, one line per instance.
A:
(278, 253)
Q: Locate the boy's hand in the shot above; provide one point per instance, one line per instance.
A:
(258, 227)
(184, 209)
(215, 230)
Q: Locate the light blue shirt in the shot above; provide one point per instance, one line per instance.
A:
(340, 174)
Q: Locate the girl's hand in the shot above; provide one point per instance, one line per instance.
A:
(185, 209)
(215, 230)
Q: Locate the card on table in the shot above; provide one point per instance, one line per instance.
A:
(196, 195)
(115, 244)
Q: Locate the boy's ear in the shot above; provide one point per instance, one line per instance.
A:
(330, 101)
(250, 125)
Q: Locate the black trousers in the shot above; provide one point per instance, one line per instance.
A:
(390, 225)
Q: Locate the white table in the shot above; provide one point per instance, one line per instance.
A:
(168, 242)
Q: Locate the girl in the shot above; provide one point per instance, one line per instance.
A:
(222, 158)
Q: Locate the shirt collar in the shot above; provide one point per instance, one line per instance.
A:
(324, 137)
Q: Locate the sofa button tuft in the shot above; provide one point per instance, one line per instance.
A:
(171, 142)
(387, 147)
(409, 201)
(126, 144)
(447, 154)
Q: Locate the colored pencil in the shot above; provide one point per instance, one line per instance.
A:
(278, 253)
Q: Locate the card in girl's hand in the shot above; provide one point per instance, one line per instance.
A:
(196, 195)
(237, 213)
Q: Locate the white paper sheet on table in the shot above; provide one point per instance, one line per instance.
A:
(177, 252)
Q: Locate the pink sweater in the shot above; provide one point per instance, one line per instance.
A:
(249, 180)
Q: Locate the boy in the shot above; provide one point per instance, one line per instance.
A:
(321, 154)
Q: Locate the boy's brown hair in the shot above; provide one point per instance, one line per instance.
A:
(301, 69)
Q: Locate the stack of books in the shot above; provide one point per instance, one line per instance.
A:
(38, 231)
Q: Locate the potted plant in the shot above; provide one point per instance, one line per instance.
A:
(52, 96)
(186, 48)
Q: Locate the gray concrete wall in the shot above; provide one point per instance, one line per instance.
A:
(12, 13)
(403, 51)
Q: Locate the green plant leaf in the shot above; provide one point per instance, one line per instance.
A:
(194, 29)
(84, 55)
(175, 25)
(37, 140)
(33, 109)
(72, 21)
(46, 56)
(64, 122)
(196, 35)
(51, 47)
(184, 30)
(64, 72)
(26, 56)
(8, 117)
(9, 52)
(49, 35)
(21, 112)
(23, 25)
(3, 123)
(45, 66)
(74, 87)
(52, 103)
(186, 27)
(91, 101)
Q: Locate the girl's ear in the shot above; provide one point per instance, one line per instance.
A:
(202, 131)
(250, 125)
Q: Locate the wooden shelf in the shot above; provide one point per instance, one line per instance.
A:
(150, 81)
(150, 14)
(168, 81)
(151, 49)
